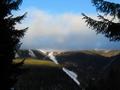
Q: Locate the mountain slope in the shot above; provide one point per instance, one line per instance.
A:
(44, 75)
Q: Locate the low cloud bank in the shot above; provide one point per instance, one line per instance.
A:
(65, 31)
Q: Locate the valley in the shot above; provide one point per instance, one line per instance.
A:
(87, 64)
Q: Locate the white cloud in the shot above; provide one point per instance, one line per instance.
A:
(60, 31)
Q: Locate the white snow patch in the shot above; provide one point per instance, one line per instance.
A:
(17, 55)
(72, 75)
(52, 57)
(31, 53)
(107, 51)
(42, 51)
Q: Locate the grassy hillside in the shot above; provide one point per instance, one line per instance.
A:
(90, 66)
(37, 62)
(43, 75)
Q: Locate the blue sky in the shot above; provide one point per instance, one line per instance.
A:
(61, 6)
(58, 25)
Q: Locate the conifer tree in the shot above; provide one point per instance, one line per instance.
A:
(9, 42)
(108, 24)
(108, 27)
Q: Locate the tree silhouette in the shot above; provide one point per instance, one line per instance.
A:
(9, 42)
(109, 27)
(108, 24)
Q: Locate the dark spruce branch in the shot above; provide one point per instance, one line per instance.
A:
(99, 26)
(107, 27)
(7, 6)
(111, 29)
(106, 7)
(9, 42)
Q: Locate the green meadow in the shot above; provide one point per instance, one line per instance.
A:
(37, 62)
(43, 75)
